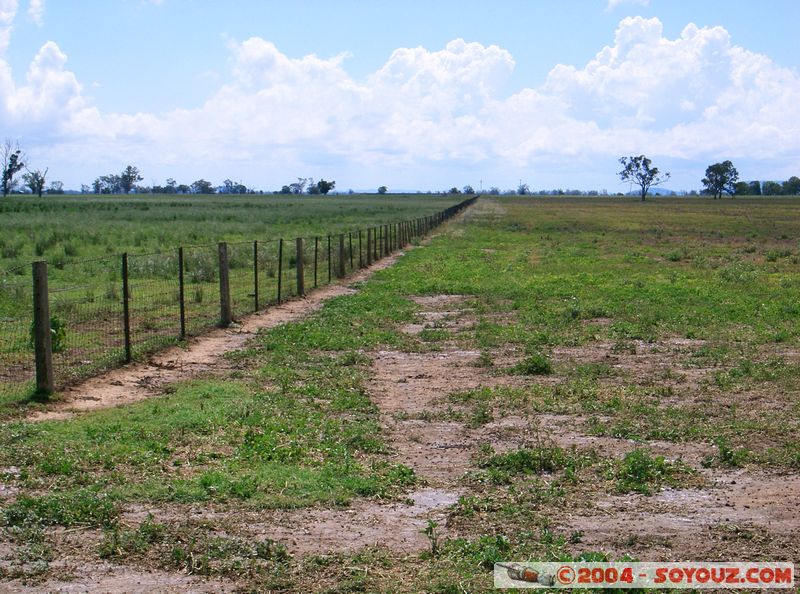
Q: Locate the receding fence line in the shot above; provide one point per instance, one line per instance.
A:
(77, 331)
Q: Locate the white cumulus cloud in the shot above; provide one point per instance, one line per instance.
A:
(36, 11)
(692, 98)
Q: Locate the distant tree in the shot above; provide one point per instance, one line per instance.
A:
(13, 162)
(325, 186)
(299, 185)
(468, 189)
(383, 190)
(741, 188)
(523, 189)
(720, 178)
(56, 187)
(128, 179)
(771, 188)
(230, 187)
(183, 189)
(286, 190)
(791, 187)
(36, 180)
(755, 188)
(638, 170)
(453, 190)
(202, 186)
(85, 189)
(171, 187)
(494, 191)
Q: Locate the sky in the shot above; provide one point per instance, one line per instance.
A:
(412, 94)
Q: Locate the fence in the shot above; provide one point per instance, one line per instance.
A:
(133, 304)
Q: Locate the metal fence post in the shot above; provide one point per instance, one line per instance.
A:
(280, 267)
(369, 247)
(341, 266)
(330, 263)
(360, 254)
(126, 309)
(182, 292)
(225, 309)
(316, 257)
(255, 275)
(301, 284)
(42, 337)
(350, 240)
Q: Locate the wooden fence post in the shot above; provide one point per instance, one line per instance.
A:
(42, 336)
(369, 247)
(301, 284)
(182, 292)
(225, 309)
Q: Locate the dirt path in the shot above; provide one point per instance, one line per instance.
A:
(204, 354)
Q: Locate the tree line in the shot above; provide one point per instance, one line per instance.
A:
(721, 178)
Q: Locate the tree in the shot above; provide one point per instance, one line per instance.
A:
(325, 186)
(454, 190)
(13, 158)
(771, 188)
(202, 186)
(383, 190)
(468, 189)
(755, 188)
(741, 188)
(720, 177)
(791, 187)
(299, 185)
(56, 187)
(494, 191)
(286, 190)
(638, 170)
(128, 179)
(523, 189)
(35, 180)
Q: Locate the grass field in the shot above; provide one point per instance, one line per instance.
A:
(82, 237)
(576, 378)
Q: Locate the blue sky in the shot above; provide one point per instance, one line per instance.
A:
(414, 95)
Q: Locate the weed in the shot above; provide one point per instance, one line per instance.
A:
(535, 364)
(640, 472)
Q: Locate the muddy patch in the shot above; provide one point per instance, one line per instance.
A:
(116, 579)
(739, 512)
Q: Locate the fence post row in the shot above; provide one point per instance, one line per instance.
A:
(42, 336)
(301, 283)
(225, 308)
(381, 241)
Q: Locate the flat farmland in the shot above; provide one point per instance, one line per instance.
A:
(544, 379)
(82, 237)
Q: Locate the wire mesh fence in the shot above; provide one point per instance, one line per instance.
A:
(109, 311)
